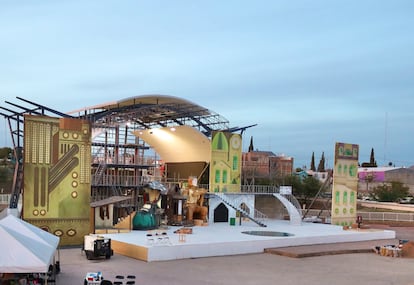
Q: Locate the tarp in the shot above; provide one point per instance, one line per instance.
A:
(25, 248)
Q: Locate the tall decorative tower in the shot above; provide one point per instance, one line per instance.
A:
(225, 165)
(57, 158)
(345, 184)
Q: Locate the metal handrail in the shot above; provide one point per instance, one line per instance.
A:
(257, 216)
(371, 216)
(5, 199)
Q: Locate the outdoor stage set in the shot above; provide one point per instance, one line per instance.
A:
(85, 170)
(220, 239)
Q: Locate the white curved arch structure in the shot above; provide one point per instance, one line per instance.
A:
(295, 216)
(178, 144)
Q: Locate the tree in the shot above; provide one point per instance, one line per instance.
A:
(295, 182)
(369, 177)
(305, 188)
(6, 178)
(312, 166)
(372, 160)
(6, 152)
(4, 174)
(311, 186)
(391, 192)
(6, 155)
(321, 166)
(251, 148)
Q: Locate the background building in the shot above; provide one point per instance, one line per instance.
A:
(371, 177)
(265, 164)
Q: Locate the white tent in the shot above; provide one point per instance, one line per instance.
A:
(25, 248)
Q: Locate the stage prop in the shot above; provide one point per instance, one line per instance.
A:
(186, 206)
(195, 208)
(57, 160)
(149, 216)
(345, 184)
(225, 165)
(175, 202)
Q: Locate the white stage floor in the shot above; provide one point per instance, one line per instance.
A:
(221, 239)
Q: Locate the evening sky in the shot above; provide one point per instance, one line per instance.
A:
(308, 73)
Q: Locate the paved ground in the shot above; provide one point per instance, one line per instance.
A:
(356, 268)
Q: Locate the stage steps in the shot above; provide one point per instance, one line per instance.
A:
(258, 216)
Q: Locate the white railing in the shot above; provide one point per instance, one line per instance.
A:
(387, 216)
(259, 215)
(292, 199)
(371, 216)
(236, 204)
(124, 180)
(127, 159)
(5, 199)
(259, 189)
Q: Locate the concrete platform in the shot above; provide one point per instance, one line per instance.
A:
(222, 239)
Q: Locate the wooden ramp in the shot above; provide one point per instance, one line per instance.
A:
(330, 249)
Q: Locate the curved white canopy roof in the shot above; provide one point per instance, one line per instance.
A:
(177, 144)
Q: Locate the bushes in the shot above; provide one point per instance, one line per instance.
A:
(390, 192)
